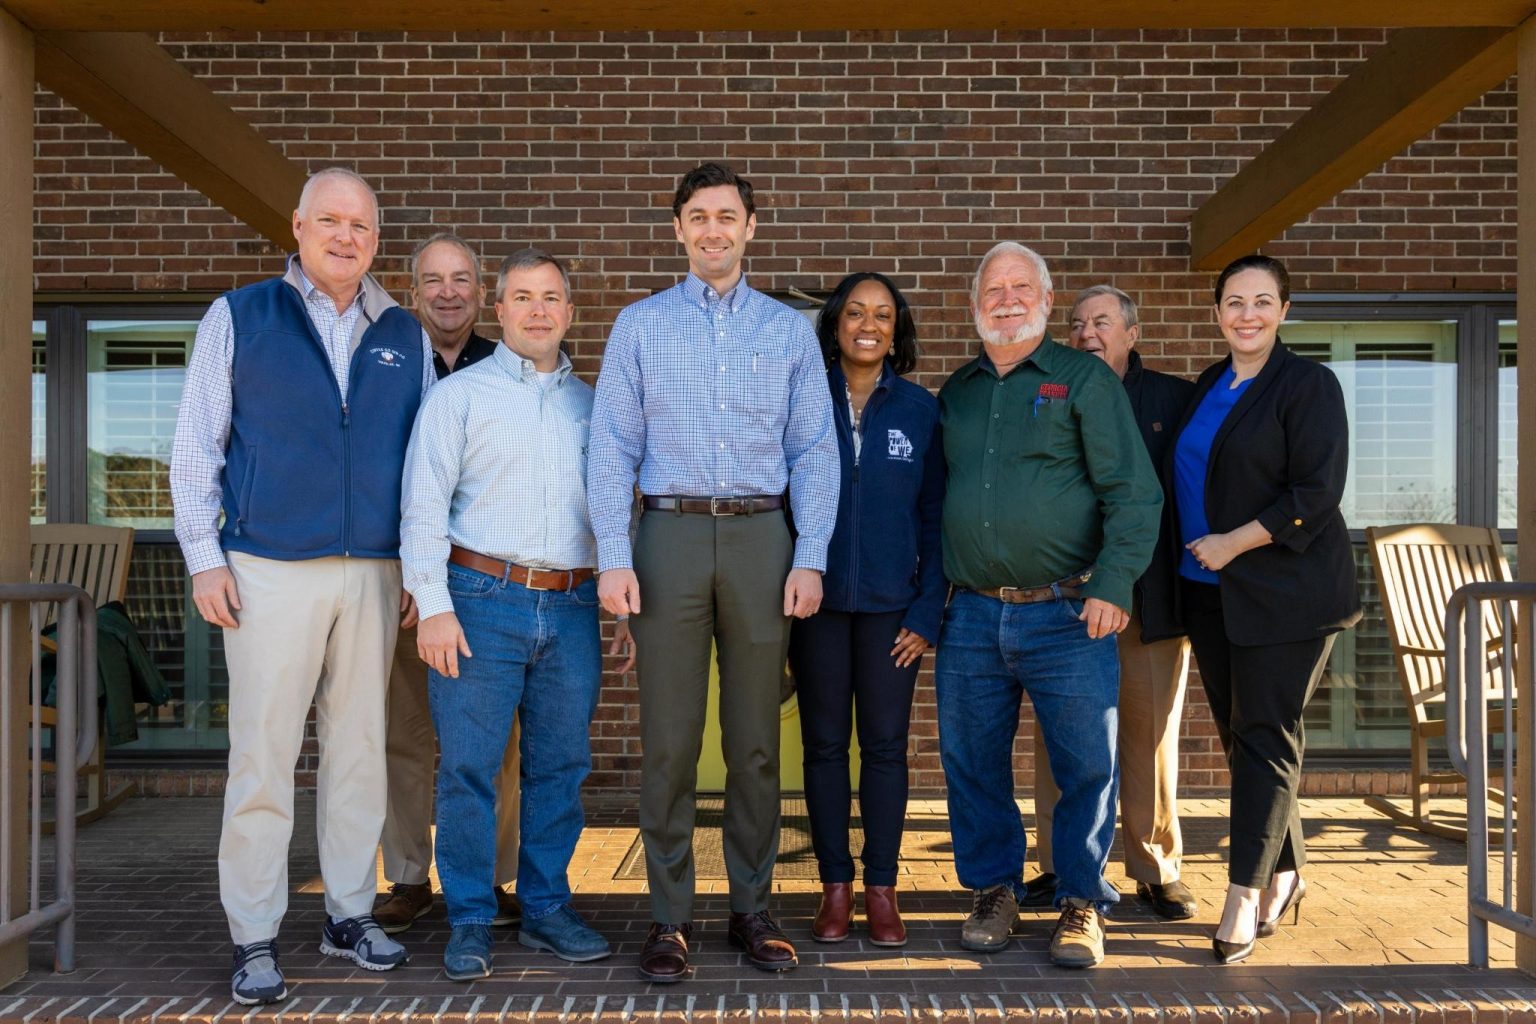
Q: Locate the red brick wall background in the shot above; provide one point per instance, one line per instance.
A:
(908, 152)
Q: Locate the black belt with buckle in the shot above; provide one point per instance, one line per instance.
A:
(1070, 587)
(714, 506)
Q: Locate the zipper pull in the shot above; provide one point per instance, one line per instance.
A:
(346, 415)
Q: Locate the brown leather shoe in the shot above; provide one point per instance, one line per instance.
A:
(835, 914)
(767, 947)
(664, 957)
(882, 917)
(404, 904)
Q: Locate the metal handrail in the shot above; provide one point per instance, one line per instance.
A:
(1466, 740)
(74, 736)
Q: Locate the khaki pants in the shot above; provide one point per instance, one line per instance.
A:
(318, 630)
(412, 753)
(1152, 680)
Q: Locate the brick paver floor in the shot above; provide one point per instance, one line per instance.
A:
(1382, 935)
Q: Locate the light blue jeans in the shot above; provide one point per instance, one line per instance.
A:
(990, 654)
(537, 653)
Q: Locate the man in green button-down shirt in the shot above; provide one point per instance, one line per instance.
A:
(1050, 515)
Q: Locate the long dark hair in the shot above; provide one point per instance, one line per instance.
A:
(903, 354)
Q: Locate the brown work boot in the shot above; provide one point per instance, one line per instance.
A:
(1078, 940)
(404, 904)
(766, 945)
(664, 957)
(882, 917)
(835, 913)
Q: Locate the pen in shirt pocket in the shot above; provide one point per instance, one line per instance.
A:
(754, 362)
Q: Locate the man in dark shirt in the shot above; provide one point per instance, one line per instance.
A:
(1154, 654)
(1050, 515)
(448, 294)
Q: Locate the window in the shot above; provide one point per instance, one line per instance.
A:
(116, 373)
(39, 421)
(1430, 392)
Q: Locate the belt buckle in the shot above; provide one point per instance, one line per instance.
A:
(714, 507)
(1003, 592)
(528, 572)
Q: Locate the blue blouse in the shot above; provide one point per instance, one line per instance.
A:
(1191, 458)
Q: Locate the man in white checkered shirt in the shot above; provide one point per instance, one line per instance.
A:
(298, 406)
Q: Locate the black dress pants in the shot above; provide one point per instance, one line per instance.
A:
(1257, 695)
(844, 669)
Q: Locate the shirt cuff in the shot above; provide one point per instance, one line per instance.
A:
(614, 553)
(810, 553)
(1112, 587)
(432, 599)
(203, 555)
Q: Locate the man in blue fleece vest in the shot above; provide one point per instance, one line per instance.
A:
(300, 396)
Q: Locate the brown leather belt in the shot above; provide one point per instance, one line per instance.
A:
(715, 506)
(533, 579)
(1070, 587)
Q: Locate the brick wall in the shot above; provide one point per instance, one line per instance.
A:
(905, 152)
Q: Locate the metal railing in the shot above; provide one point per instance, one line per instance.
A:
(74, 739)
(1470, 660)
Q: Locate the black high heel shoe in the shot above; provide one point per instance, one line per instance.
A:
(1231, 952)
(1292, 903)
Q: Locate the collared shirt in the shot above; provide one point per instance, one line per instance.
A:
(497, 464)
(1048, 476)
(207, 404)
(708, 395)
(475, 349)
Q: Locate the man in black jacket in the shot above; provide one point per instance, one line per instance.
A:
(1154, 655)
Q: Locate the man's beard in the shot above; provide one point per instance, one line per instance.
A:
(1032, 329)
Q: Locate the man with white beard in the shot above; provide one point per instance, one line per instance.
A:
(1050, 515)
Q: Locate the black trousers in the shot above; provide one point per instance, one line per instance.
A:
(1257, 695)
(844, 669)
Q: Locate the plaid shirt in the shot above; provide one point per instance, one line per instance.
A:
(707, 395)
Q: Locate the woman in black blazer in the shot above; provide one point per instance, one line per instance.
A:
(1267, 578)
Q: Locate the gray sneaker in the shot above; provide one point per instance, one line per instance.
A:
(361, 940)
(994, 912)
(257, 978)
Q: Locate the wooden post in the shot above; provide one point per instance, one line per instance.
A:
(16, 88)
(1525, 299)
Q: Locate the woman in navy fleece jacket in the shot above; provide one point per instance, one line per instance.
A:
(856, 660)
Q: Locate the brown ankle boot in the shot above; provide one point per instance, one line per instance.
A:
(835, 913)
(884, 920)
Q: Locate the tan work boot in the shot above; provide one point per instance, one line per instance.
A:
(994, 912)
(404, 904)
(1078, 940)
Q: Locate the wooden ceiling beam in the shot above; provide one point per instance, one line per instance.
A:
(1417, 80)
(736, 15)
(132, 87)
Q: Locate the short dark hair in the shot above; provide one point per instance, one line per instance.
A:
(1256, 261)
(530, 259)
(903, 354)
(708, 176)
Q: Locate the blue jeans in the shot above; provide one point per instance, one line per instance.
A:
(536, 653)
(990, 654)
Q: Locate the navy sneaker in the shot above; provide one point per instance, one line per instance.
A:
(564, 934)
(468, 955)
(257, 978)
(362, 940)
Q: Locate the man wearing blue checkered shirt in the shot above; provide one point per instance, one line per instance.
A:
(713, 399)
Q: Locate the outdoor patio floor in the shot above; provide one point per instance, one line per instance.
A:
(1382, 937)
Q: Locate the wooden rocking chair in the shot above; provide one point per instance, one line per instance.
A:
(1418, 567)
(95, 559)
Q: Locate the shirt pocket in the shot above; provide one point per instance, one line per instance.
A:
(1044, 429)
(760, 388)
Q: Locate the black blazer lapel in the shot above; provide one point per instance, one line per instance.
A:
(1262, 383)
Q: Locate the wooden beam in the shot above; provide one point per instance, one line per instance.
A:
(129, 84)
(1525, 470)
(16, 115)
(723, 15)
(1418, 79)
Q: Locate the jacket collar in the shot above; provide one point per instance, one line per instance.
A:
(840, 379)
(1132, 370)
(375, 300)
